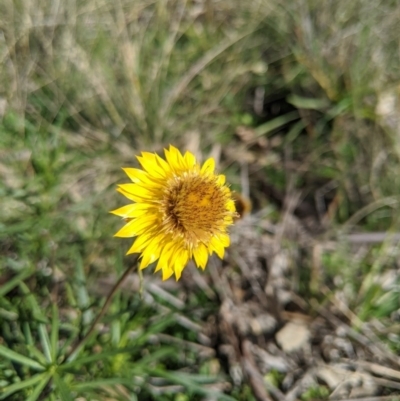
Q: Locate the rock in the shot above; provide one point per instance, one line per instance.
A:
(293, 336)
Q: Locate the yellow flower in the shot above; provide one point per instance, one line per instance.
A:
(180, 211)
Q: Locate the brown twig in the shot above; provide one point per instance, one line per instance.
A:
(257, 382)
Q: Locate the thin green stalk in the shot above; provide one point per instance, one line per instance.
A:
(79, 344)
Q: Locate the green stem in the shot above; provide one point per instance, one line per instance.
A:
(78, 345)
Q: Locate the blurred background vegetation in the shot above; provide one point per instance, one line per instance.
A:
(293, 98)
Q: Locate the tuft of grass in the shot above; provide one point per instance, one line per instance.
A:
(37, 335)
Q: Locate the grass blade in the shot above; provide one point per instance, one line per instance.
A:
(23, 360)
(45, 341)
(54, 332)
(63, 390)
(301, 102)
(81, 291)
(39, 388)
(189, 382)
(9, 285)
(276, 123)
(33, 351)
(98, 357)
(32, 303)
(86, 386)
(7, 391)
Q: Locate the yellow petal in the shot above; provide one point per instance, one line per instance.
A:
(149, 255)
(230, 205)
(174, 158)
(139, 190)
(149, 163)
(208, 166)
(181, 259)
(163, 165)
(144, 223)
(165, 256)
(221, 180)
(133, 197)
(140, 243)
(216, 246)
(224, 240)
(126, 231)
(167, 272)
(190, 160)
(136, 227)
(133, 210)
(139, 176)
(228, 220)
(200, 255)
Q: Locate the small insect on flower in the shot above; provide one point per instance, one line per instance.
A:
(180, 211)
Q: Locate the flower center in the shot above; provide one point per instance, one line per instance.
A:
(194, 207)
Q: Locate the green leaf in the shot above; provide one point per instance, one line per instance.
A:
(276, 123)
(23, 360)
(9, 285)
(301, 102)
(62, 388)
(54, 332)
(115, 332)
(193, 383)
(96, 384)
(45, 341)
(98, 357)
(6, 391)
(73, 331)
(8, 315)
(32, 303)
(81, 290)
(153, 357)
(295, 131)
(39, 388)
(33, 352)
